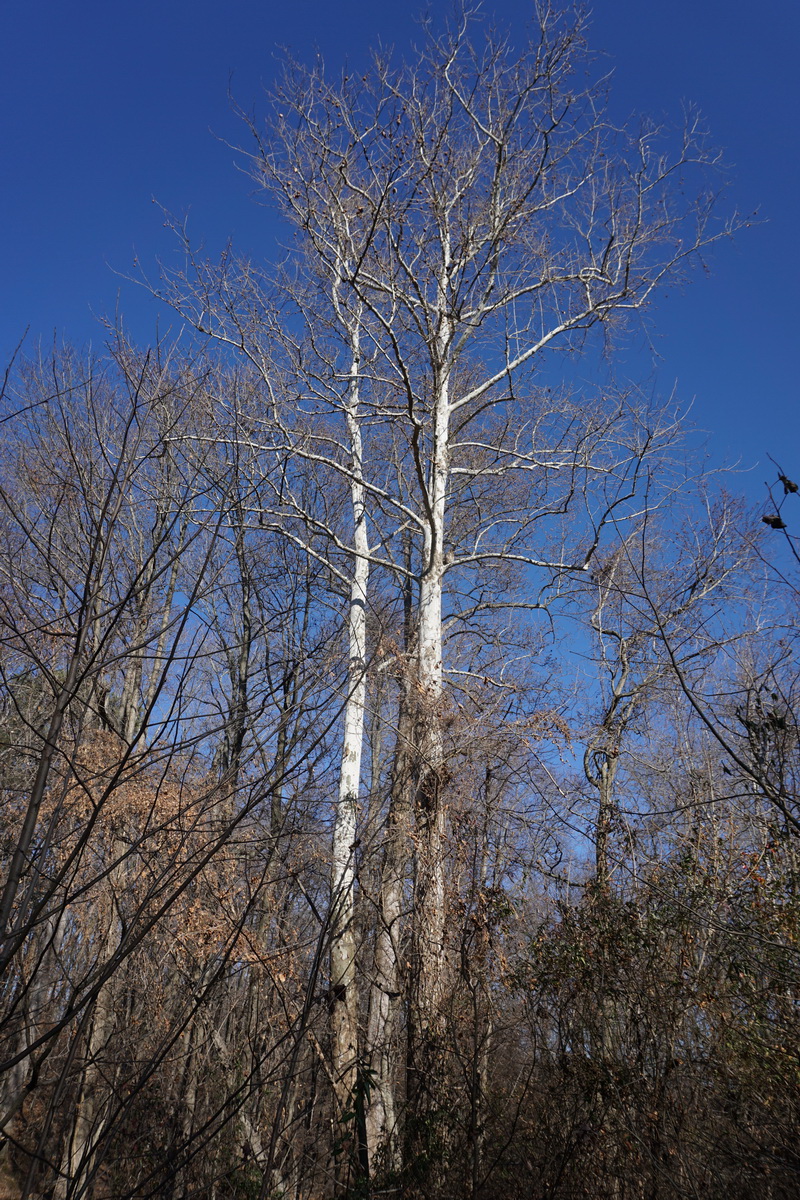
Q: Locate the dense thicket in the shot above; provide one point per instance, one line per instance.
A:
(398, 737)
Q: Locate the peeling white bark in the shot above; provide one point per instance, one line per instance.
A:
(344, 998)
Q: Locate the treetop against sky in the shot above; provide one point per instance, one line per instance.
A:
(109, 108)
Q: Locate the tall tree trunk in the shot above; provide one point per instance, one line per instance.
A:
(385, 988)
(426, 1018)
(344, 996)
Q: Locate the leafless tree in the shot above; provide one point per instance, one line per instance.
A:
(468, 213)
(299, 876)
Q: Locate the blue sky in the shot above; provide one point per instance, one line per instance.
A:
(105, 106)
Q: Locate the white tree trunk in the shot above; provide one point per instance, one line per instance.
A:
(344, 997)
(382, 1033)
(430, 890)
(427, 1016)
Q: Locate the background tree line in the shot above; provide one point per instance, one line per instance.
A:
(399, 734)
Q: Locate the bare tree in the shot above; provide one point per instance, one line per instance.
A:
(465, 215)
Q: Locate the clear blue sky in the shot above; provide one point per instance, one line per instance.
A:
(105, 106)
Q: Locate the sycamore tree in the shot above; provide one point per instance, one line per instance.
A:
(458, 219)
